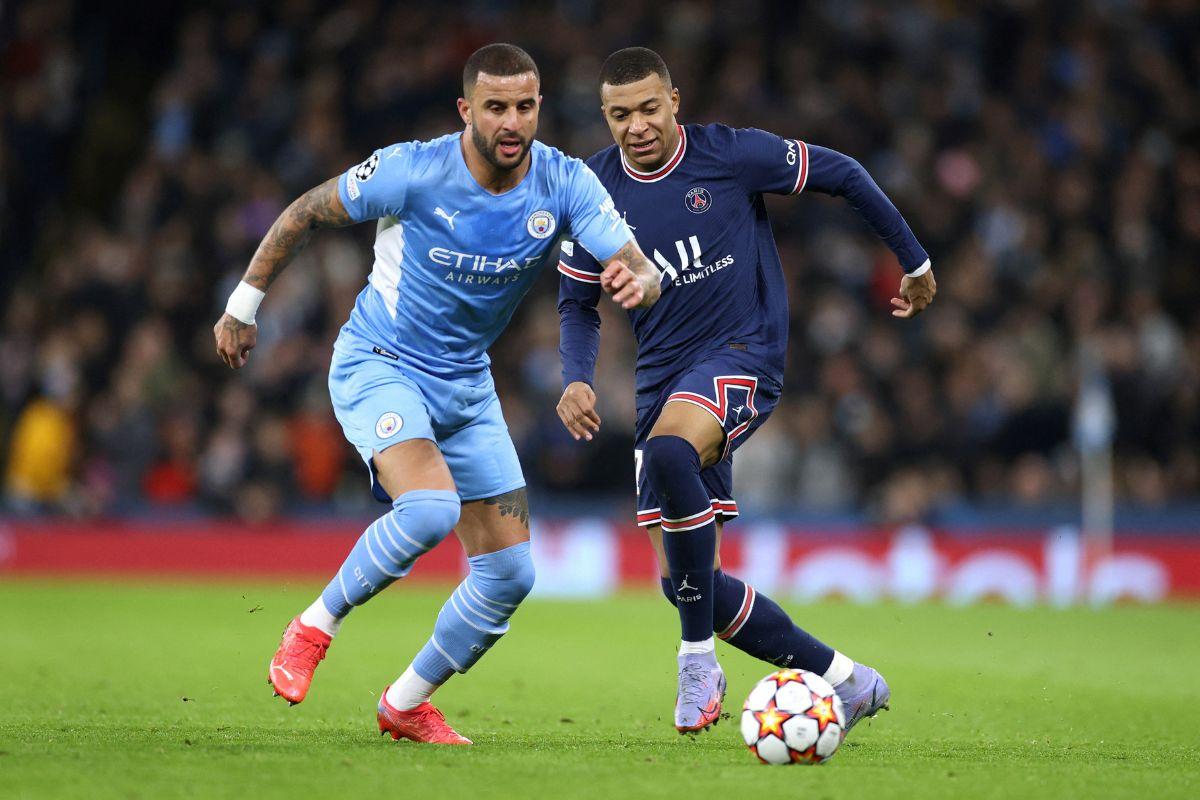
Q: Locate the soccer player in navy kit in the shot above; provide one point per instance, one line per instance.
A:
(710, 354)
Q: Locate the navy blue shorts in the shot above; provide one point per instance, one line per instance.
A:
(732, 384)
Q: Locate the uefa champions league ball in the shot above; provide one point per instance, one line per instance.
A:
(793, 717)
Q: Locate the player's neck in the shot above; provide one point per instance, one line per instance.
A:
(670, 145)
(487, 175)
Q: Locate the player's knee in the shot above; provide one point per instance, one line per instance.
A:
(520, 582)
(666, 456)
(505, 577)
(426, 516)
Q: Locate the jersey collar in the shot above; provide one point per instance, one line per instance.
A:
(665, 169)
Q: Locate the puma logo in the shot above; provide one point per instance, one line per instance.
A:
(448, 217)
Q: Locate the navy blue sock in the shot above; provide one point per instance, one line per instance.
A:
(689, 530)
(755, 624)
(764, 631)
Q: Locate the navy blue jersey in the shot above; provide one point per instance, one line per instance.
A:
(701, 218)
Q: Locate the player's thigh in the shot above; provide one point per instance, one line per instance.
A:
(695, 425)
(494, 523)
(716, 402)
(656, 541)
(384, 415)
(483, 462)
(412, 465)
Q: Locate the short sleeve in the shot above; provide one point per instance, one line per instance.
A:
(770, 163)
(593, 218)
(377, 187)
(577, 263)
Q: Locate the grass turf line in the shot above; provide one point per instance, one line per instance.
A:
(576, 701)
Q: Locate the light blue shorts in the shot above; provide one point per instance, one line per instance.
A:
(380, 401)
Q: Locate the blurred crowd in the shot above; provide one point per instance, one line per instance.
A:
(1046, 154)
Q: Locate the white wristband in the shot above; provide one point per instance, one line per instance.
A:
(921, 270)
(243, 303)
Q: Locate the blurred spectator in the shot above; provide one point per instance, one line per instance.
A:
(40, 457)
(316, 444)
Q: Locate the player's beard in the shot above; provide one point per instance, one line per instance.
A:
(488, 149)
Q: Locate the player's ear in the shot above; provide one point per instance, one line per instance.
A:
(674, 100)
(464, 110)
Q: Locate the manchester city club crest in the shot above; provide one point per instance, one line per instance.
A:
(388, 425)
(540, 225)
(697, 200)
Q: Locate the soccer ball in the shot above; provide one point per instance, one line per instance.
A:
(793, 717)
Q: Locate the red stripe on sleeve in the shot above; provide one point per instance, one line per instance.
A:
(579, 275)
(802, 171)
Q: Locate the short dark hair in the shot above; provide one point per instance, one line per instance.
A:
(497, 59)
(631, 65)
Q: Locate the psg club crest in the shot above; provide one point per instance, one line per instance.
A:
(697, 200)
(540, 224)
(389, 425)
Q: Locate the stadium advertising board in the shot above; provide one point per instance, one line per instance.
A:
(594, 557)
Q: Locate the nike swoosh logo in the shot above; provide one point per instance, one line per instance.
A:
(280, 667)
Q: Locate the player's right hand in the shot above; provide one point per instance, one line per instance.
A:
(628, 290)
(577, 410)
(235, 340)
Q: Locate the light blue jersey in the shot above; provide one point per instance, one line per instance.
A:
(452, 261)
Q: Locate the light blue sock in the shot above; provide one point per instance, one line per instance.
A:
(476, 615)
(387, 549)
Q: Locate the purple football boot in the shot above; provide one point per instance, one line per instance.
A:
(701, 692)
(863, 695)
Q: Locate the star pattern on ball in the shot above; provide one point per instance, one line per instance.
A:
(822, 711)
(808, 756)
(786, 676)
(770, 720)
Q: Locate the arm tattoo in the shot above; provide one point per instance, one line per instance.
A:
(317, 208)
(512, 504)
(637, 262)
(647, 274)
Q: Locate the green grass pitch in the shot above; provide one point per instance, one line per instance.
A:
(158, 691)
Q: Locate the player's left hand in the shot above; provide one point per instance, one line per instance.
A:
(628, 290)
(915, 295)
(577, 410)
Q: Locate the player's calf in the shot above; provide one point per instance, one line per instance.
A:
(755, 624)
(390, 546)
(469, 624)
(384, 553)
(672, 468)
(689, 530)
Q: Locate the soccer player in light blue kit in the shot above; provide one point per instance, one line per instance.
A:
(466, 223)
